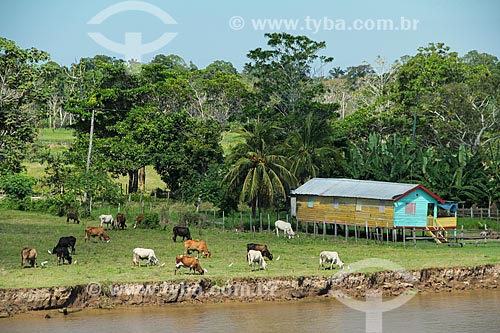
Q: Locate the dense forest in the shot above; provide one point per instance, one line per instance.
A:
(429, 118)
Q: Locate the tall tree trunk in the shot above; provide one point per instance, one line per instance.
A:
(142, 179)
(133, 181)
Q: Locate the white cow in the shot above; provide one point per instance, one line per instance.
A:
(331, 257)
(255, 257)
(285, 227)
(108, 219)
(140, 253)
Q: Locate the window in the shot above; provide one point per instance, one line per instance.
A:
(336, 203)
(311, 202)
(381, 208)
(410, 208)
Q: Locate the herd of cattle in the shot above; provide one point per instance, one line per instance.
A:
(255, 252)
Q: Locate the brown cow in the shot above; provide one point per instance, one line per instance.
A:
(138, 220)
(28, 254)
(196, 245)
(120, 221)
(262, 248)
(188, 261)
(100, 233)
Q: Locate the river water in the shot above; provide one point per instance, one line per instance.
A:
(465, 311)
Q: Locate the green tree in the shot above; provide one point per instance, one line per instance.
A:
(286, 76)
(256, 172)
(311, 150)
(20, 84)
(182, 149)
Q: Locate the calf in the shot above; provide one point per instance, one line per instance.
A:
(67, 242)
(330, 257)
(143, 254)
(255, 257)
(181, 232)
(107, 219)
(285, 227)
(138, 220)
(28, 254)
(120, 221)
(100, 233)
(188, 262)
(62, 254)
(196, 245)
(260, 247)
(72, 216)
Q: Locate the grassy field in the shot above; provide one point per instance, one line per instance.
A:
(112, 262)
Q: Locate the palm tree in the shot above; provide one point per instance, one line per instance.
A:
(259, 174)
(310, 150)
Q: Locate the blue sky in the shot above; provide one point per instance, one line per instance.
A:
(206, 31)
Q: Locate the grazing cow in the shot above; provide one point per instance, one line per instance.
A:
(143, 254)
(181, 232)
(138, 220)
(100, 233)
(260, 247)
(255, 257)
(285, 227)
(67, 242)
(107, 219)
(196, 245)
(72, 216)
(28, 254)
(62, 254)
(189, 262)
(120, 221)
(331, 257)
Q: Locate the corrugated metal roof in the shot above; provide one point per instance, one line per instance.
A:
(353, 188)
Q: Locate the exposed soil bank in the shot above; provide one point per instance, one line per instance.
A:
(390, 283)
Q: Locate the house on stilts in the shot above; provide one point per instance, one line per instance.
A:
(364, 203)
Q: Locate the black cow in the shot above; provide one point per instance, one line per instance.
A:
(181, 232)
(66, 242)
(62, 253)
(260, 247)
(72, 216)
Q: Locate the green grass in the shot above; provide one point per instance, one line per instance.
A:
(112, 262)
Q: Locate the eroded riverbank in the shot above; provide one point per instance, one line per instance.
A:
(206, 290)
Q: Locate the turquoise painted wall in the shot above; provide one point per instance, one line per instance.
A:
(419, 219)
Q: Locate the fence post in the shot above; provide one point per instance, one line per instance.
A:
(355, 232)
(414, 239)
(366, 231)
(346, 232)
(387, 231)
(404, 236)
(260, 222)
(324, 229)
(268, 223)
(335, 231)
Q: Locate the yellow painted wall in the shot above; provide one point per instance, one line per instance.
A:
(324, 210)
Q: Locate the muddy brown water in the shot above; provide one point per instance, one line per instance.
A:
(463, 311)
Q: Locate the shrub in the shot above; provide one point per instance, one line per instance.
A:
(17, 185)
(150, 220)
